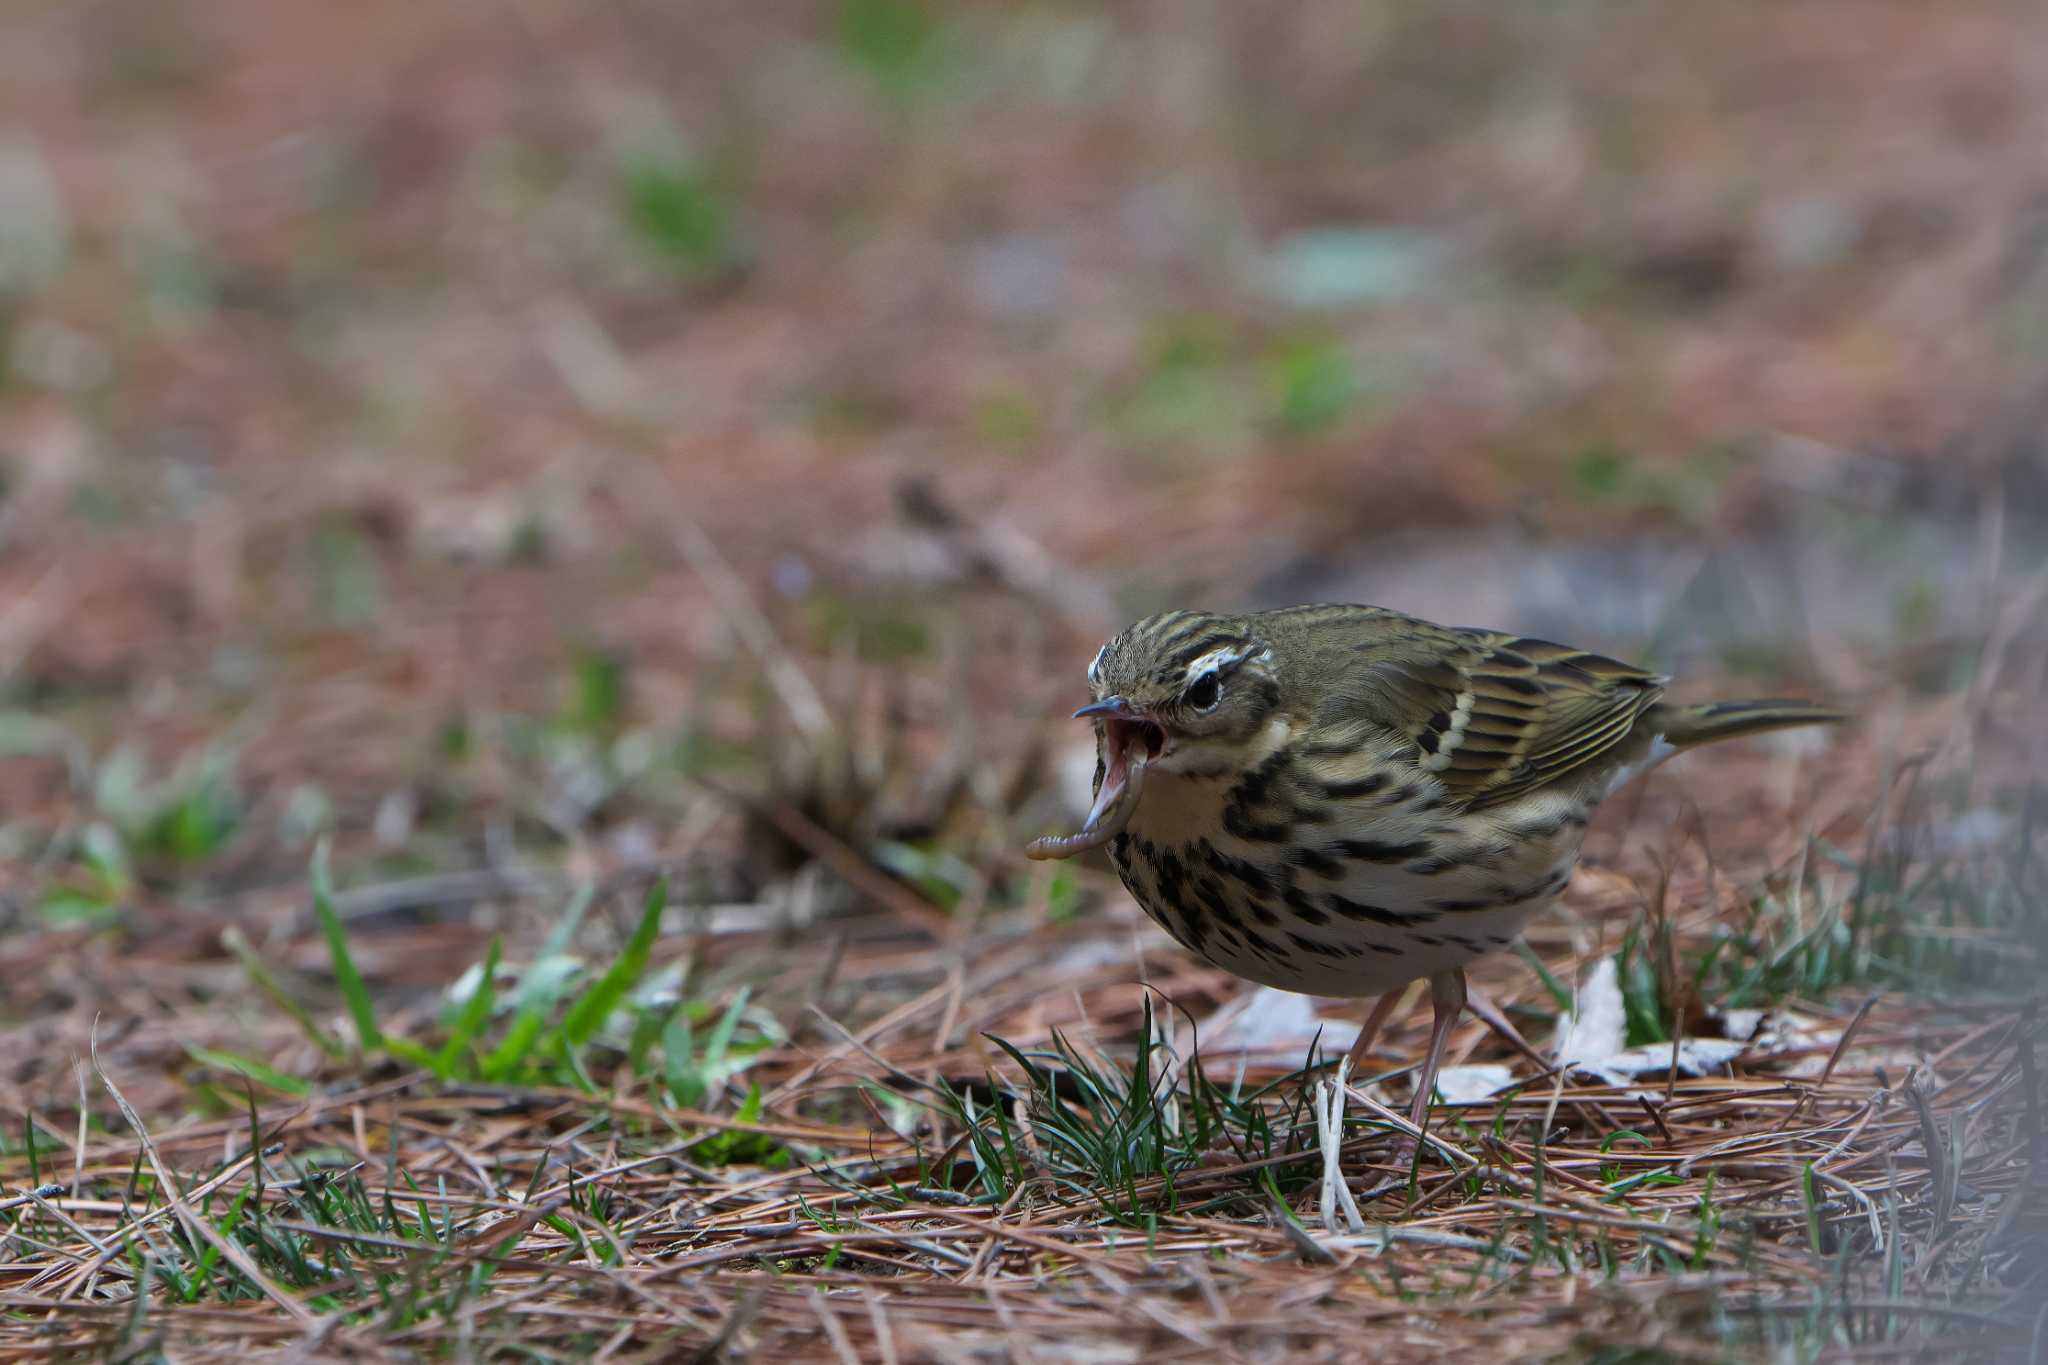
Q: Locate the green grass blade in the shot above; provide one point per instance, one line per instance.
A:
(475, 1013)
(1557, 989)
(274, 990)
(412, 1052)
(254, 1070)
(540, 987)
(210, 1254)
(601, 999)
(721, 1032)
(686, 1083)
(345, 974)
(514, 1046)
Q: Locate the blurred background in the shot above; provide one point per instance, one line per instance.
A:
(531, 434)
(527, 447)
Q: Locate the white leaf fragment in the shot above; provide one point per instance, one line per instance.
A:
(1598, 1023)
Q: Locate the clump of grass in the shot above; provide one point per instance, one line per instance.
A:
(600, 688)
(688, 212)
(1123, 1139)
(1314, 385)
(897, 42)
(178, 820)
(540, 1028)
(139, 825)
(1894, 917)
(311, 1232)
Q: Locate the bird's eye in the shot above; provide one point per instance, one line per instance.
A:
(1204, 693)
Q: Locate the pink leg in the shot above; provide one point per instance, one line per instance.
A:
(1447, 994)
(1370, 1030)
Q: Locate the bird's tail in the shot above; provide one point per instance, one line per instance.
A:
(1684, 726)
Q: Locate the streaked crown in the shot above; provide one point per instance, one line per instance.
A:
(1202, 676)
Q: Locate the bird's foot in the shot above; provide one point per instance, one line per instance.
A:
(1401, 1159)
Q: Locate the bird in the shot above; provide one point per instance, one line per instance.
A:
(1340, 799)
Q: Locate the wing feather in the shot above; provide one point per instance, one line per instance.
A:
(1491, 716)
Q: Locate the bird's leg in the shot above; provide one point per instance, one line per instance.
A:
(1447, 995)
(1370, 1029)
(1330, 1114)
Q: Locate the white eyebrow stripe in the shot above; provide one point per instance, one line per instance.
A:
(1095, 669)
(1218, 659)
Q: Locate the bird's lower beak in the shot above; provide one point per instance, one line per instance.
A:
(1130, 740)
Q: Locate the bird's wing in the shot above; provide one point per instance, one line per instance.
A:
(1492, 716)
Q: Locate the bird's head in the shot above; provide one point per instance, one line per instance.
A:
(1184, 692)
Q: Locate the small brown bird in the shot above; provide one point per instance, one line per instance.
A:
(1340, 799)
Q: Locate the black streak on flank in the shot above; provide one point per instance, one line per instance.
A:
(1372, 914)
(1218, 906)
(1250, 874)
(1317, 862)
(1169, 878)
(1263, 946)
(1516, 895)
(1259, 780)
(1252, 790)
(1351, 791)
(1489, 855)
(1304, 909)
(1172, 872)
(1309, 945)
(1373, 851)
(1237, 823)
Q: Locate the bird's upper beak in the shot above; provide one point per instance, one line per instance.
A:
(1130, 740)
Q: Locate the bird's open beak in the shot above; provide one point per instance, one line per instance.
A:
(1130, 740)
